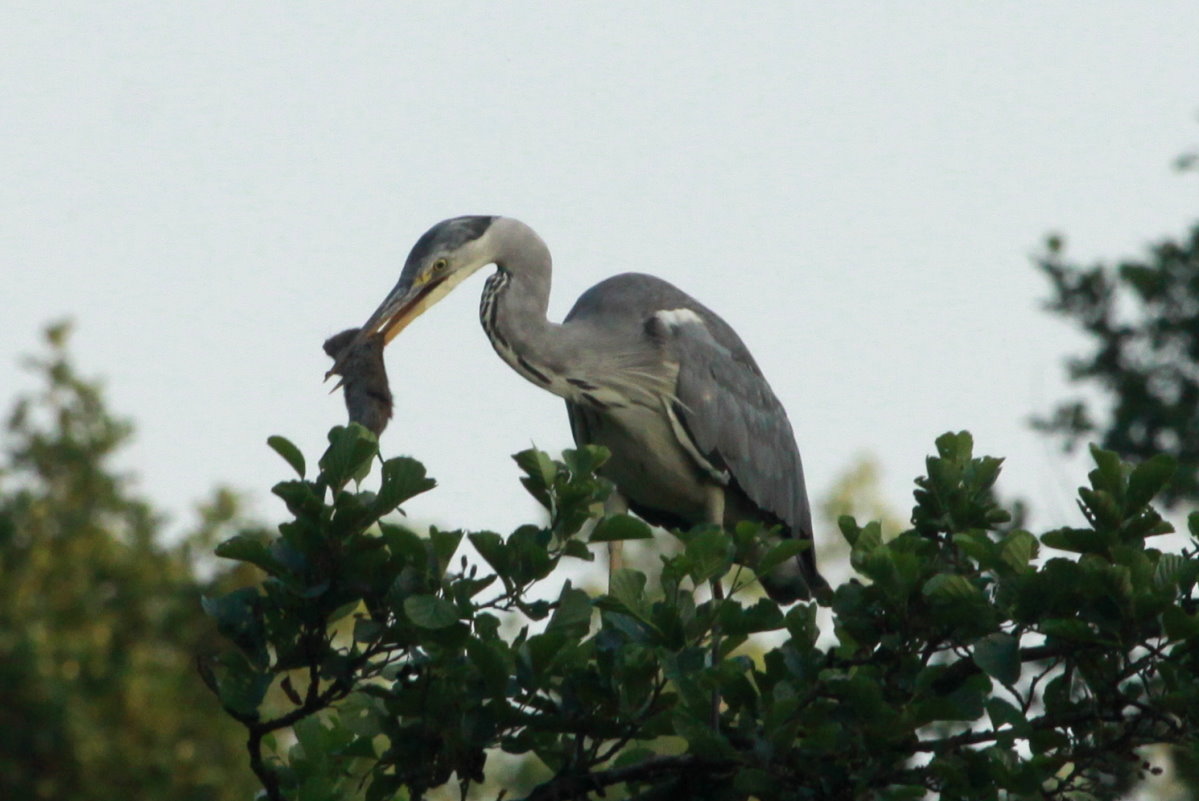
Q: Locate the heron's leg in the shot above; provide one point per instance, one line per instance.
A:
(616, 504)
(714, 511)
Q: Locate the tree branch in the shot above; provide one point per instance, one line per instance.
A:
(561, 788)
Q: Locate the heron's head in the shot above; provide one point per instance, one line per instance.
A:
(444, 257)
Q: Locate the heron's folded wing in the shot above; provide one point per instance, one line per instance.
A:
(735, 419)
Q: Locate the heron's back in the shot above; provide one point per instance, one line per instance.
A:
(720, 415)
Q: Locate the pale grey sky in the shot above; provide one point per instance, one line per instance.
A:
(211, 189)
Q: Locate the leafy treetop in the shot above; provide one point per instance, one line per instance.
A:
(1143, 319)
(963, 664)
(98, 623)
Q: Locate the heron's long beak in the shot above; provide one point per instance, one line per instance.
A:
(400, 308)
(403, 305)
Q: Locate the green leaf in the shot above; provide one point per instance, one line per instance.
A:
(964, 702)
(361, 715)
(1148, 478)
(1169, 569)
(301, 498)
(786, 549)
(238, 616)
(864, 695)
(538, 464)
(528, 550)
(999, 656)
(620, 527)
(903, 792)
(290, 453)
(363, 747)
(1075, 540)
(384, 786)
(541, 652)
(430, 612)
(403, 478)
(540, 472)
(573, 614)
(1179, 625)
(762, 616)
(709, 554)
(951, 588)
(442, 546)
(849, 529)
(493, 667)
(1109, 473)
(702, 740)
(252, 549)
(1003, 713)
(349, 454)
(585, 460)
(986, 470)
(1102, 508)
(405, 545)
(1176, 571)
(869, 537)
(633, 755)
(366, 630)
(537, 610)
(1017, 550)
(628, 587)
(1069, 629)
(492, 548)
(977, 545)
(466, 588)
(879, 566)
(801, 623)
(754, 781)
(578, 549)
(955, 447)
(241, 685)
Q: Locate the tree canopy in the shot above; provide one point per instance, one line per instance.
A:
(1142, 316)
(962, 664)
(98, 617)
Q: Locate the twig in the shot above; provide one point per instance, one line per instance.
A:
(565, 787)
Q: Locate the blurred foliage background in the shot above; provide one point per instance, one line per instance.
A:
(1142, 372)
(100, 620)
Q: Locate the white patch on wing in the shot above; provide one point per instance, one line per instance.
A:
(673, 318)
(681, 436)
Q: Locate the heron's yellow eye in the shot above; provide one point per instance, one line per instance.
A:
(440, 265)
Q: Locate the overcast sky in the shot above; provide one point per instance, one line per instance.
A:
(211, 189)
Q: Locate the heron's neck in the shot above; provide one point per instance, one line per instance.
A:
(515, 303)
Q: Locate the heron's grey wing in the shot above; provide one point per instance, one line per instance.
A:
(735, 420)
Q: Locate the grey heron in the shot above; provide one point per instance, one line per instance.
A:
(695, 432)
